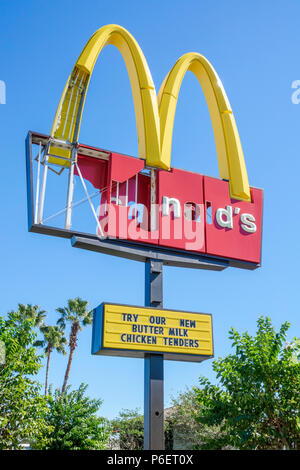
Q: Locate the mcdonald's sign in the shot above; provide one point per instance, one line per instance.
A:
(144, 204)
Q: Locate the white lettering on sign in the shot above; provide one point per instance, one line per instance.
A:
(167, 201)
(247, 223)
(224, 217)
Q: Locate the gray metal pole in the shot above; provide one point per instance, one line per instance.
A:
(154, 365)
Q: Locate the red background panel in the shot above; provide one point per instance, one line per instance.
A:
(124, 167)
(116, 224)
(186, 187)
(94, 170)
(232, 243)
(181, 233)
(116, 220)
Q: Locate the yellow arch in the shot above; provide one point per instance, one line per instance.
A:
(154, 115)
(67, 120)
(229, 150)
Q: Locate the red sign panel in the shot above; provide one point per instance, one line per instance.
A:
(181, 209)
(175, 209)
(234, 229)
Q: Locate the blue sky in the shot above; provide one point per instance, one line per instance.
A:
(254, 46)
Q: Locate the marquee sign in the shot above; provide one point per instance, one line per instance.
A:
(124, 330)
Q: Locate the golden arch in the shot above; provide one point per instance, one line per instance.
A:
(68, 116)
(154, 115)
(229, 150)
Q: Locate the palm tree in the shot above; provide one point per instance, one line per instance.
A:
(54, 339)
(78, 315)
(32, 312)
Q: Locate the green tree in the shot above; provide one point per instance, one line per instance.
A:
(257, 402)
(182, 428)
(78, 314)
(21, 406)
(74, 423)
(2, 353)
(295, 348)
(54, 339)
(32, 312)
(128, 431)
(129, 426)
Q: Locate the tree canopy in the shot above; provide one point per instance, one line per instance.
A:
(73, 423)
(129, 429)
(79, 315)
(32, 312)
(257, 401)
(21, 405)
(185, 430)
(54, 339)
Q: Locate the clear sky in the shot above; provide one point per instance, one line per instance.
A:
(254, 46)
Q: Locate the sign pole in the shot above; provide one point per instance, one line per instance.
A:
(154, 365)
